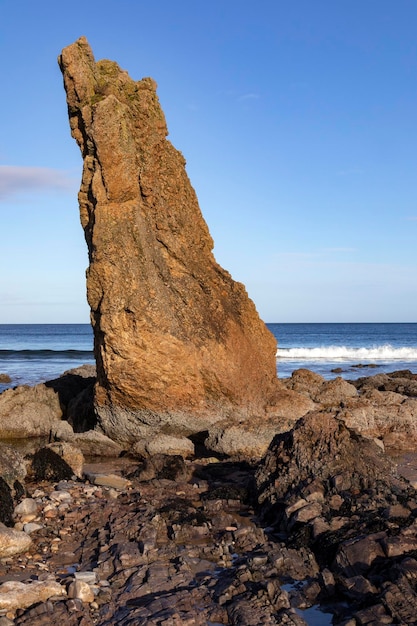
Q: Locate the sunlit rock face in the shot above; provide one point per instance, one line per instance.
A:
(179, 345)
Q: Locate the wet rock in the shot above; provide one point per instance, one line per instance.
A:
(5, 378)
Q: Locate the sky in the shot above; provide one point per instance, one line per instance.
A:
(298, 122)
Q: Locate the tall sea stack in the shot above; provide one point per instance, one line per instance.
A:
(178, 344)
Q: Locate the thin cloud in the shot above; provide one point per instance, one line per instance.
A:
(249, 96)
(15, 180)
(339, 249)
(413, 218)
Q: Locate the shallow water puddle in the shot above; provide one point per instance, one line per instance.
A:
(406, 464)
(314, 615)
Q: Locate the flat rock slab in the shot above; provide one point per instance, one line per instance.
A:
(107, 480)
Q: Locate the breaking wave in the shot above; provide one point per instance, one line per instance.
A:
(45, 354)
(331, 353)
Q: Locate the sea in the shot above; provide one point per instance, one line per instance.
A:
(34, 353)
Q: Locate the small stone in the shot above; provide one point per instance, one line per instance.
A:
(12, 541)
(336, 502)
(398, 545)
(74, 605)
(298, 504)
(88, 577)
(32, 528)
(61, 496)
(38, 493)
(307, 513)
(28, 506)
(81, 590)
(25, 519)
(108, 480)
(396, 510)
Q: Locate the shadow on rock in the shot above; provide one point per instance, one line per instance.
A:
(48, 465)
(75, 390)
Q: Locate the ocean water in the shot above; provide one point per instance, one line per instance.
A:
(33, 353)
(353, 350)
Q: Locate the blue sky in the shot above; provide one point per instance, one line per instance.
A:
(298, 121)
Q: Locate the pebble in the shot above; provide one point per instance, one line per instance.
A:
(12, 541)
(27, 507)
(108, 480)
(81, 590)
(88, 577)
(61, 496)
(32, 527)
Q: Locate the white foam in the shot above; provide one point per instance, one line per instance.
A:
(331, 353)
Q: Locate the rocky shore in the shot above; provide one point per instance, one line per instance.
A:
(320, 530)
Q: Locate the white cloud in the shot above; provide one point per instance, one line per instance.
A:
(15, 180)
